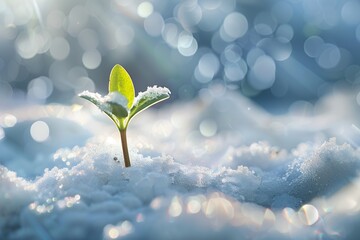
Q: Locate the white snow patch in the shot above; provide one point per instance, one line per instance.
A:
(104, 102)
(94, 191)
(151, 92)
(259, 177)
(116, 97)
(103, 105)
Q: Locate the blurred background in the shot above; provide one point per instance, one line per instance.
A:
(275, 52)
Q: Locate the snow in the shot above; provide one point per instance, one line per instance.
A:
(100, 100)
(116, 97)
(104, 103)
(257, 176)
(155, 91)
(151, 92)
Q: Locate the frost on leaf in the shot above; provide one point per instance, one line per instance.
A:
(112, 104)
(116, 97)
(96, 99)
(148, 98)
(118, 104)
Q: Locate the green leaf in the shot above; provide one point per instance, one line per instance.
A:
(96, 99)
(118, 104)
(118, 110)
(121, 82)
(115, 111)
(148, 98)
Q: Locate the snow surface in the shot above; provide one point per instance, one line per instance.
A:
(151, 92)
(218, 167)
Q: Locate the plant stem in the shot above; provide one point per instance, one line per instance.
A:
(125, 148)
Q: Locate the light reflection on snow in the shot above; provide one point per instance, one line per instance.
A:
(76, 107)
(218, 207)
(269, 216)
(118, 231)
(175, 208)
(290, 215)
(41, 208)
(253, 214)
(193, 206)
(308, 214)
(111, 141)
(69, 202)
(156, 203)
(113, 233)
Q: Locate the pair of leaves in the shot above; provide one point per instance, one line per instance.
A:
(120, 104)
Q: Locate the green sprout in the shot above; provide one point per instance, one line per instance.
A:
(121, 105)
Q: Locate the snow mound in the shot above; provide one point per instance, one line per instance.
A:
(90, 192)
(218, 167)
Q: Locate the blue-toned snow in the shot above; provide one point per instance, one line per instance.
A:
(215, 168)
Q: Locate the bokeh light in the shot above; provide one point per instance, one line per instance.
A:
(91, 59)
(154, 24)
(118, 231)
(235, 25)
(40, 88)
(145, 9)
(208, 128)
(308, 214)
(8, 120)
(39, 131)
(186, 45)
(175, 208)
(59, 48)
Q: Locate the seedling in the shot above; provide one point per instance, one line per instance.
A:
(121, 105)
